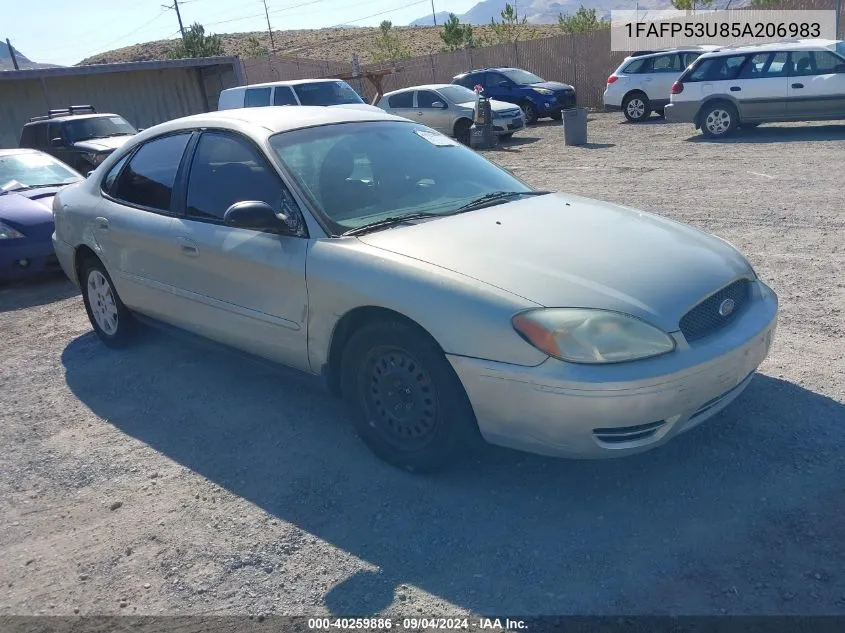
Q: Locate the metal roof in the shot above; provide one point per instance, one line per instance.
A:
(96, 69)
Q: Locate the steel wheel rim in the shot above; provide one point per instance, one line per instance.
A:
(102, 303)
(400, 398)
(636, 108)
(718, 121)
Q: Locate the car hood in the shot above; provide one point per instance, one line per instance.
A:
(495, 106)
(33, 207)
(565, 251)
(552, 85)
(102, 144)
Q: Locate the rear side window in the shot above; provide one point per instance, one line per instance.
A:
(284, 96)
(716, 68)
(257, 97)
(401, 100)
(108, 181)
(56, 130)
(635, 67)
(149, 177)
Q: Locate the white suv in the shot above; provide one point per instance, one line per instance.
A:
(744, 86)
(642, 82)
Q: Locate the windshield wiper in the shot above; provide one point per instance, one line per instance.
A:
(489, 199)
(398, 219)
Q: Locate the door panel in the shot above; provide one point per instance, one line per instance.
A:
(439, 119)
(815, 91)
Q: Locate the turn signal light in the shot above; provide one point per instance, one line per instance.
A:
(611, 79)
(677, 88)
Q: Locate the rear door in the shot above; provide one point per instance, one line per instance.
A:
(816, 85)
(438, 118)
(763, 83)
(665, 69)
(241, 287)
(402, 104)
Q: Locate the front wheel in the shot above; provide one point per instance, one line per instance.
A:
(111, 320)
(530, 113)
(636, 107)
(719, 120)
(405, 399)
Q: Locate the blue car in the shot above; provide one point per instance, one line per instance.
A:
(537, 97)
(28, 181)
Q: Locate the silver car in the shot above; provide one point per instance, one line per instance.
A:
(441, 297)
(449, 108)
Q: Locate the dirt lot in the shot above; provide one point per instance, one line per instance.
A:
(175, 478)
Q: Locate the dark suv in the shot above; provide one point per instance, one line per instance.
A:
(537, 97)
(77, 135)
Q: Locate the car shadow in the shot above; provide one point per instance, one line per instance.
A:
(502, 531)
(36, 291)
(778, 134)
(594, 146)
(652, 120)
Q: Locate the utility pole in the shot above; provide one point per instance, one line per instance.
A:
(175, 6)
(270, 29)
(12, 53)
(838, 22)
(433, 14)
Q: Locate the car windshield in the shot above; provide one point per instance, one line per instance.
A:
(356, 174)
(522, 77)
(97, 127)
(34, 169)
(326, 93)
(457, 94)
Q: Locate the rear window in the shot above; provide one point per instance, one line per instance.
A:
(715, 68)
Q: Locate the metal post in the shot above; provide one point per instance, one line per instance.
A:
(838, 19)
(269, 28)
(12, 53)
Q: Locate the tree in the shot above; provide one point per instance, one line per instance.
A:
(762, 4)
(254, 48)
(455, 35)
(196, 44)
(510, 28)
(691, 5)
(583, 20)
(387, 45)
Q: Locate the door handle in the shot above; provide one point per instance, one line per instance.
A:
(735, 88)
(102, 224)
(188, 247)
(797, 85)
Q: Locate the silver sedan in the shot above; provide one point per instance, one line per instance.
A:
(441, 297)
(449, 108)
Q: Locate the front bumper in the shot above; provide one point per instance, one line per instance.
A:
(25, 257)
(681, 112)
(583, 411)
(508, 126)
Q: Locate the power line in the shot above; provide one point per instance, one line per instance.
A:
(375, 15)
(175, 6)
(110, 42)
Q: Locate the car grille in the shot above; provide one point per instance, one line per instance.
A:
(566, 98)
(509, 114)
(705, 318)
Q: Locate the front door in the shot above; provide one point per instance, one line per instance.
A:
(763, 83)
(241, 287)
(816, 85)
(438, 118)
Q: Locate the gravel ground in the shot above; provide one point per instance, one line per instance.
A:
(175, 478)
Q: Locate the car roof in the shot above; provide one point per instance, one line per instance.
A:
(270, 119)
(421, 87)
(786, 45)
(709, 48)
(290, 82)
(71, 117)
(491, 68)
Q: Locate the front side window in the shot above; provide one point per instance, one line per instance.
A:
(283, 96)
(522, 77)
(716, 68)
(492, 80)
(326, 93)
(357, 173)
(97, 127)
(257, 97)
(34, 169)
(401, 100)
(55, 131)
(425, 98)
(226, 170)
(802, 63)
(148, 179)
(111, 177)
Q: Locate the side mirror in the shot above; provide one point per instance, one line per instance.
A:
(438, 105)
(88, 175)
(56, 142)
(256, 215)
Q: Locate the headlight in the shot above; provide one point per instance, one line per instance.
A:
(580, 335)
(544, 91)
(8, 233)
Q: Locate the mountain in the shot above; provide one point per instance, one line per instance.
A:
(442, 16)
(23, 62)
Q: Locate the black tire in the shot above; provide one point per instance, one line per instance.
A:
(661, 113)
(636, 107)
(506, 137)
(93, 272)
(406, 401)
(530, 113)
(557, 116)
(462, 131)
(718, 120)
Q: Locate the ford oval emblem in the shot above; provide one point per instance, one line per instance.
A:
(726, 307)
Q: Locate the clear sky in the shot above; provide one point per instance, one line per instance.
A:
(62, 32)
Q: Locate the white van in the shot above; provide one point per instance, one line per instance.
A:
(307, 92)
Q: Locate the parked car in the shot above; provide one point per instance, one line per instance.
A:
(28, 181)
(442, 297)
(77, 135)
(643, 80)
(449, 108)
(307, 92)
(744, 86)
(537, 97)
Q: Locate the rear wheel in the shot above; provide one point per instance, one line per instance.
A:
(110, 318)
(530, 113)
(406, 401)
(636, 107)
(718, 120)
